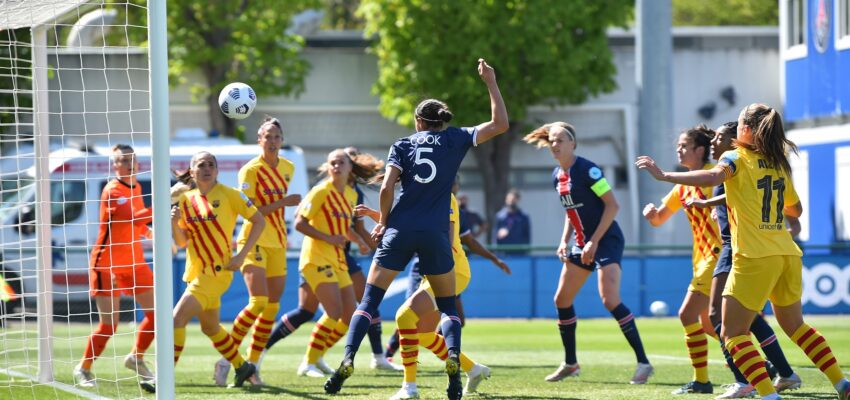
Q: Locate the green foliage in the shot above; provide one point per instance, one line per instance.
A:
(725, 12)
(237, 41)
(341, 15)
(544, 51)
(15, 68)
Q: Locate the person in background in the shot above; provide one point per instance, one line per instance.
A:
(512, 225)
(477, 224)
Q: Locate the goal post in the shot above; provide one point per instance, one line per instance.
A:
(76, 78)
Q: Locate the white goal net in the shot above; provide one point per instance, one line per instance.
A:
(76, 304)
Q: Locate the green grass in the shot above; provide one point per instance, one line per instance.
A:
(519, 352)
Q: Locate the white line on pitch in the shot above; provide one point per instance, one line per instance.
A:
(58, 385)
(675, 358)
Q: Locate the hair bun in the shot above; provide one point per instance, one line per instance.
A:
(445, 115)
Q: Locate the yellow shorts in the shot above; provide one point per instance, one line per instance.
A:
(315, 275)
(755, 280)
(208, 290)
(463, 275)
(703, 272)
(272, 259)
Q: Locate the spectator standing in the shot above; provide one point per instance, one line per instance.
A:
(512, 225)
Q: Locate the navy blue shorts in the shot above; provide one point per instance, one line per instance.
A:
(609, 251)
(724, 261)
(414, 279)
(353, 265)
(397, 248)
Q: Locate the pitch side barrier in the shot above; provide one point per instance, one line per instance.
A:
(650, 273)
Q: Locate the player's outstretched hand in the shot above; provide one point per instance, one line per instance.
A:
(486, 72)
(362, 210)
(648, 164)
(502, 266)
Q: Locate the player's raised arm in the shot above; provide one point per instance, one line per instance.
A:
(498, 123)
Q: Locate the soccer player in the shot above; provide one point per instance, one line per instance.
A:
(118, 266)
(203, 221)
(419, 310)
(766, 263)
(426, 164)
(324, 218)
(265, 181)
(590, 210)
(786, 379)
(693, 150)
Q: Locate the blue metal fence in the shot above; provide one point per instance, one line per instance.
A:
(529, 291)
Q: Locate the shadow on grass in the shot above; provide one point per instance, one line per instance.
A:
(514, 396)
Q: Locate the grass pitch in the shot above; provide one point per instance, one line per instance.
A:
(519, 352)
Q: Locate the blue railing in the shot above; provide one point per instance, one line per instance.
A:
(529, 291)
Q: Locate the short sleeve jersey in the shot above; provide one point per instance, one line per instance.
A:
(756, 193)
(723, 217)
(123, 221)
(580, 190)
(210, 219)
(330, 212)
(428, 162)
(706, 235)
(265, 185)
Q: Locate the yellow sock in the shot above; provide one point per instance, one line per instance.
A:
(243, 322)
(406, 320)
(319, 337)
(750, 362)
(262, 331)
(339, 331)
(437, 344)
(697, 343)
(817, 349)
(179, 342)
(226, 346)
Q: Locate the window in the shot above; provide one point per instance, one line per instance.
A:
(796, 24)
(67, 201)
(842, 25)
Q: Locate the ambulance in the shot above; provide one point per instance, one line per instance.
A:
(77, 178)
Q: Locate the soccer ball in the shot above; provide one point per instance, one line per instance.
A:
(237, 100)
(659, 308)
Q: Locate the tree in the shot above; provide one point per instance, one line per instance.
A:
(544, 52)
(725, 12)
(230, 41)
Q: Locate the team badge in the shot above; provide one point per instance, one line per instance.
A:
(594, 173)
(215, 203)
(122, 200)
(218, 267)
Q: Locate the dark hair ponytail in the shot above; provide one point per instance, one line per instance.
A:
(434, 113)
(768, 135)
(701, 135)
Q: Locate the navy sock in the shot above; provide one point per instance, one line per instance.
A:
(450, 323)
(567, 325)
(362, 319)
(392, 345)
(764, 333)
(739, 377)
(375, 334)
(627, 324)
(288, 323)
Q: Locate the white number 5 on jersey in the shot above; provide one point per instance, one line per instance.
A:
(421, 160)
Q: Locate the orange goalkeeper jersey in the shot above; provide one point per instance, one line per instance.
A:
(123, 222)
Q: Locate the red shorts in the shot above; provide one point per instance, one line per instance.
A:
(117, 281)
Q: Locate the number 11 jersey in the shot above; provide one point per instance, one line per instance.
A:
(428, 162)
(756, 194)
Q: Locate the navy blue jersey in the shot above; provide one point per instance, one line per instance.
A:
(723, 217)
(428, 162)
(464, 224)
(580, 190)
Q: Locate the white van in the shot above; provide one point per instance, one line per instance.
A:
(76, 181)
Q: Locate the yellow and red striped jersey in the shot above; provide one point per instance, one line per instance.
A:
(210, 220)
(330, 212)
(264, 184)
(706, 233)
